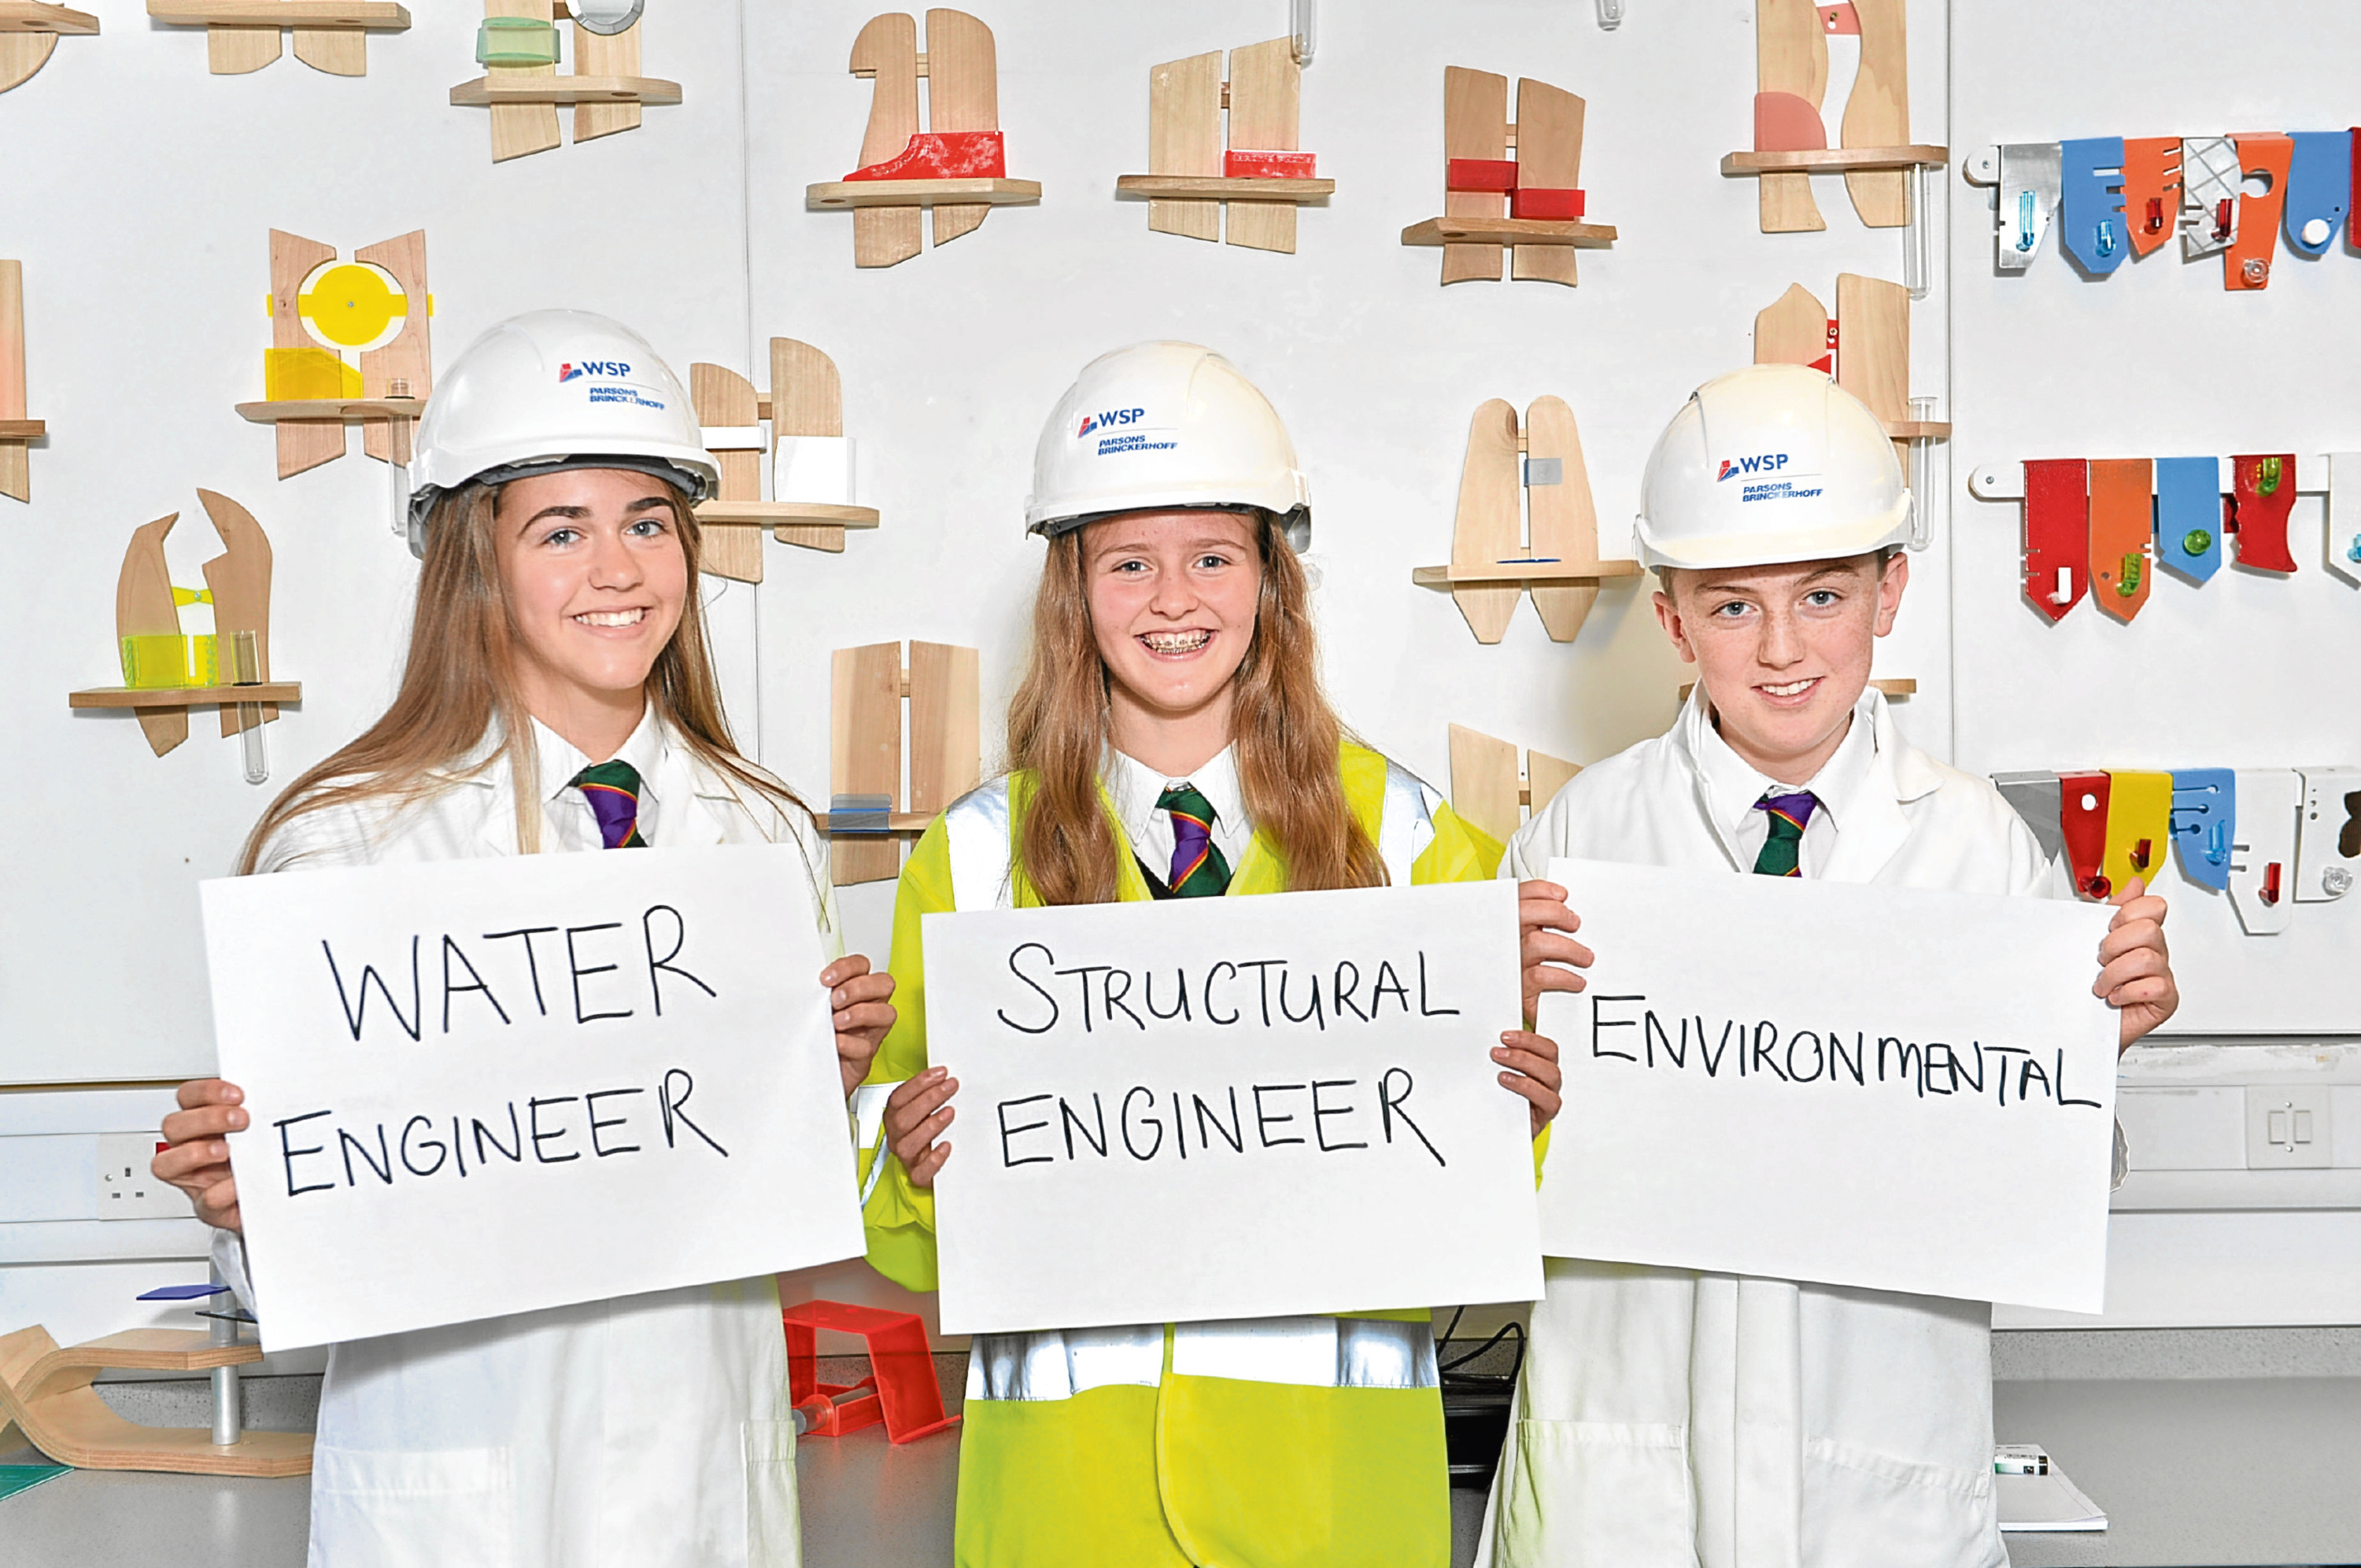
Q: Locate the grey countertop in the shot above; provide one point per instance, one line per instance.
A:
(2193, 1473)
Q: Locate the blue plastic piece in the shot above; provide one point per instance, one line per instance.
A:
(181, 1292)
(2189, 515)
(2319, 187)
(2204, 822)
(2091, 203)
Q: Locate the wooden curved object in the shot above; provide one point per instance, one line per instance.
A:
(46, 1391)
(144, 606)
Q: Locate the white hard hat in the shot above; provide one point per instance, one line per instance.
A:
(1164, 424)
(549, 390)
(1771, 464)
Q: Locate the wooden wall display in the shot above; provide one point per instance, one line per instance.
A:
(243, 35)
(1865, 346)
(518, 48)
(813, 482)
(1533, 202)
(350, 343)
(958, 166)
(1492, 792)
(1791, 139)
(1548, 546)
(1254, 171)
(46, 1392)
(15, 429)
(868, 811)
(147, 605)
(29, 31)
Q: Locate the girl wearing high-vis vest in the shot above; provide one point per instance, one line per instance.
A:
(1170, 740)
(558, 695)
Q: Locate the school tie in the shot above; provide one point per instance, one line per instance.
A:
(613, 791)
(1788, 813)
(1198, 869)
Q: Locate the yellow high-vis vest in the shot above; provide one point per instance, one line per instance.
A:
(1279, 1443)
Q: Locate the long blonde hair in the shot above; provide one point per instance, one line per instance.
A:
(459, 685)
(1286, 734)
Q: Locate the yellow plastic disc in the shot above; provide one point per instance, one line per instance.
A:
(352, 306)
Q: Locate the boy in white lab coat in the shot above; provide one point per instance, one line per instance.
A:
(1667, 1417)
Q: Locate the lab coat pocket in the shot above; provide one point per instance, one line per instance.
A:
(1596, 1495)
(395, 1509)
(1865, 1509)
(773, 1517)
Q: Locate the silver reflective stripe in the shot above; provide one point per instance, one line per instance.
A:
(1408, 825)
(1314, 1353)
(869, 1129)
(1058, 1364)
(975, 831)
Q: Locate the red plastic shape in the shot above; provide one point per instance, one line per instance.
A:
(2258, 511)
(1254, 164)
(2057, 535)
(905, 1395)
(2085, 828)
(943, 155)
(1530, 202)
(1480, 174)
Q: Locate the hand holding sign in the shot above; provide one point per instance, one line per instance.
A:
(2136, 969)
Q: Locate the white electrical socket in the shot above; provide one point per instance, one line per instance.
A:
(2287, 1127)
(126, 1190)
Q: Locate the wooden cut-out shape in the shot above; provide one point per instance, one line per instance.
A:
(2247, 264)
(144, 606)
(1796, 329)
(2122, 534)
(29, 31)
(2204, 822)
(604, 87)
(1561, 516)
(2083, 823)
(15, 428)
(725, 400)
(2328, 834)
(1791, 66)
(2151, 191)
(2037, 798)
(1533, 202)
(943, 686)
(1484, 532)
(1877, 112)
(2057, 533)
(239, 580)
(46, 1392)
(2189, 515)
(2256, 516)
(1791, 137)
(2091, 219)
(242, 36)
(2318, 189)
(1872, 345)
(2139, 828)
(2262, 850)
(1261, 174)
(2344, 520)
(1486, 790)
(958, 167)
(375, 307)
(808, 400)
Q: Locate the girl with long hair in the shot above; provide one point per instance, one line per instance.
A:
(1171, 740)
(558, 695)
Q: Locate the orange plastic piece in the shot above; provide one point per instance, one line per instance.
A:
(2151, 191)
(2247, 263)
(948, 155)
(2256, 514)
(1257, 164)
(2123, 535)
(1786, 123)
(2082, 815)
(1840, 18)
(902, 1390)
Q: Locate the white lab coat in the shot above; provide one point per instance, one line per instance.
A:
(1668, 1419)
(645, 1431)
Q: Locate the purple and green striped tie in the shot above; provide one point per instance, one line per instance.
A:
(1780, 851)
(1198, 869)
(613, 791)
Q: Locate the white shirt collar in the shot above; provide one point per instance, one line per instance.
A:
(1136, 787)
(560, 760)
(1732, 784)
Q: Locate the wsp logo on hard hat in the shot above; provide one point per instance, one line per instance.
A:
(615, 367)
(1769, 463)
(1109, 417)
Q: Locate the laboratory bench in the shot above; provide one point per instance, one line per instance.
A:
(2193, 1473)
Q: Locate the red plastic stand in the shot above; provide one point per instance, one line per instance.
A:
(944, 155)
(903, 1391)
(2257, 512)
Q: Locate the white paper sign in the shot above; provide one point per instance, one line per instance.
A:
(491, 1086)
(1230, 1108)
(1858, 1085)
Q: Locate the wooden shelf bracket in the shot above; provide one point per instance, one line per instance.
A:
(47, 1391)
(242, 36)
(1197, 168)
(1874, 152)
(814, 470)
(605, 87)
(1533, 202)
(17, 431)
(868, 811)
(1491, 792)
(29, 33)
(351, 343)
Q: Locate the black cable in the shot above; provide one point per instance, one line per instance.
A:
(1504, 1331)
